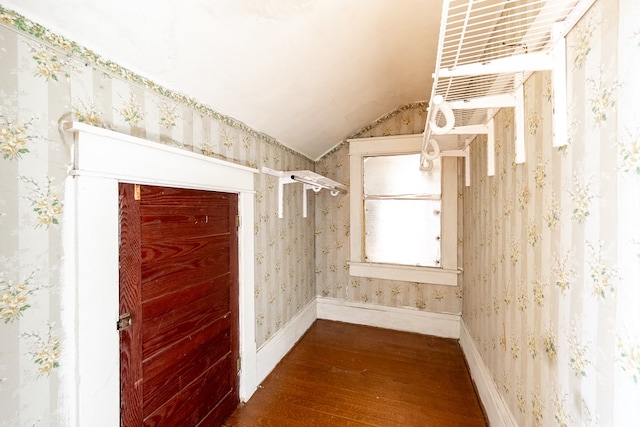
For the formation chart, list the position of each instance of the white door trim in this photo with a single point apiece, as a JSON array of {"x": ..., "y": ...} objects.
[{"x": 90, "y": 368}]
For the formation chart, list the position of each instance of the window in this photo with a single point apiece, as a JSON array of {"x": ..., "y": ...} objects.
[
  {"x": 403, "y": 220},
  {"x": 401, "y": 210}
]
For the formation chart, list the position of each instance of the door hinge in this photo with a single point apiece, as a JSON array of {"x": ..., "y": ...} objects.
[
  {"x": 136, "y": 191},
  {"x": 124, "y": 321},
  {"x": 237, "y": 221},
  {"x": 238, "y": 364}
]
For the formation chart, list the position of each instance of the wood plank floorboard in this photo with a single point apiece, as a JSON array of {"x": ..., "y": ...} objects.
[{"x": 342, "y": 374}]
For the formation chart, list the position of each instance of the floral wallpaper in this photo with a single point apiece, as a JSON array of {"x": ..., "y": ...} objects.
[
  {"x": 45, "y": 78},
  {"x": 553, "y": 245},
  {"x": 332, "y": 233}
]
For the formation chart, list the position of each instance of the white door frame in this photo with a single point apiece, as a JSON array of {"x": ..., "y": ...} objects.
[{"x": 90, "y": 360}]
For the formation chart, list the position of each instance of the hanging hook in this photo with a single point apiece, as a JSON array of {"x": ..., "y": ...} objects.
[
  {"x": 66, "y": 138},
  {"x": 65, "y": 118},
  {"x": 426, "y": 165},
  {"x": 447, "y": 112},
  {"x": 434, "y": 152}
]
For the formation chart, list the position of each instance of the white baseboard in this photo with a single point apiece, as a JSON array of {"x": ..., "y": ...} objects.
[
  {"x": 495, "y": 407},
  {"x": 401, "y": 319},
  {"x": 282, "y": 341}
]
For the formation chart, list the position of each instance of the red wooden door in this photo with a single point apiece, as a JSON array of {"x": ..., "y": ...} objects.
[{"x": 179, "y": 283}]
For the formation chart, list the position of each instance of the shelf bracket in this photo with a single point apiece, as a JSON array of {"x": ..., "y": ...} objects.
[
  {"x": 491, "y": 145},
  {"x": 519, "y": 119},
  {"x": 559, "y": 82},
  {"x": 310, "y": 181}
]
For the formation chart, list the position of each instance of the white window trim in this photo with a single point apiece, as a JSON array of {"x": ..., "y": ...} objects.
[{"x": 447, "y": 273}]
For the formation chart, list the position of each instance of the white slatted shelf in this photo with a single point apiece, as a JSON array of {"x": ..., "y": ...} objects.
[
  {"x": 309, "y": 179},
  {"x": 485, "y": 51}
]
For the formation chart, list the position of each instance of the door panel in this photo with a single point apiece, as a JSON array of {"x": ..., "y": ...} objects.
[
  {"x": 188, "y": 295},
  {"x": 183, "y": 360},
  {"x": 186, "y": 222},
  {"x": 179, "y": 356},
  {"x": 185, "y": 408},
  {"x": 161, "y": 277},
  {"x": 183, "y": 321}
]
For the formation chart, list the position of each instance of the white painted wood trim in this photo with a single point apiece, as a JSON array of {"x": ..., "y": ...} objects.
[
  {"x": 402, "y": 144},
  {"x": 90, "y": 349},
  {"x": 449, "y": 217},
  {"x": 126, "y": 158},
  {"x": 246, "y": 289},
  {"x": 406, "y": 273},
  {"x": 494, "y": 405},
  {"x": 356, "y": 205},
  {"x": 400, "y": 319},
  {"x": 96, "y": 296},
  {"x": 134, "y": 144},
  {"x": 270, "y": 354}
]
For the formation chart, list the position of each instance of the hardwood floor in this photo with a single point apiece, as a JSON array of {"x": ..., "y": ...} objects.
[{"x": 350, "y": 375}]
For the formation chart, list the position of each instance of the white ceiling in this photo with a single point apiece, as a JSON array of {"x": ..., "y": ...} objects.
[{"x": 306, "y": 72}]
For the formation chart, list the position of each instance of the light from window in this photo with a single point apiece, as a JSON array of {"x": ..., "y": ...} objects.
[{"x": 402, "y": 206}]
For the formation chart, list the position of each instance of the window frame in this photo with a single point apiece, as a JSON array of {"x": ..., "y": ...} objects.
[{"x": 447, "y": 273}]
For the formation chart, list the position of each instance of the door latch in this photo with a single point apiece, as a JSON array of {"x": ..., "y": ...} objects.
[{"x": 124, "y": 321}]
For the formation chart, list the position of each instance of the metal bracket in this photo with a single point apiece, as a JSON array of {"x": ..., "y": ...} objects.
[
  {"x": 311, "y": 181},
  {"x": 124, "y": 321}
]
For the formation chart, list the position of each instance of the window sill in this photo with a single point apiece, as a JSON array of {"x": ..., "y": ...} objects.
[{"x": 405, "y": 273}]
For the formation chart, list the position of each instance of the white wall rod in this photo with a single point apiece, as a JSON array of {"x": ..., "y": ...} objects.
[
  {"x": 308, "y": 184},
  {"x": 315, "y": 186}
]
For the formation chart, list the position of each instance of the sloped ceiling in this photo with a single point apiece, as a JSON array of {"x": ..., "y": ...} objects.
[{"x": 306, "y": 72}]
